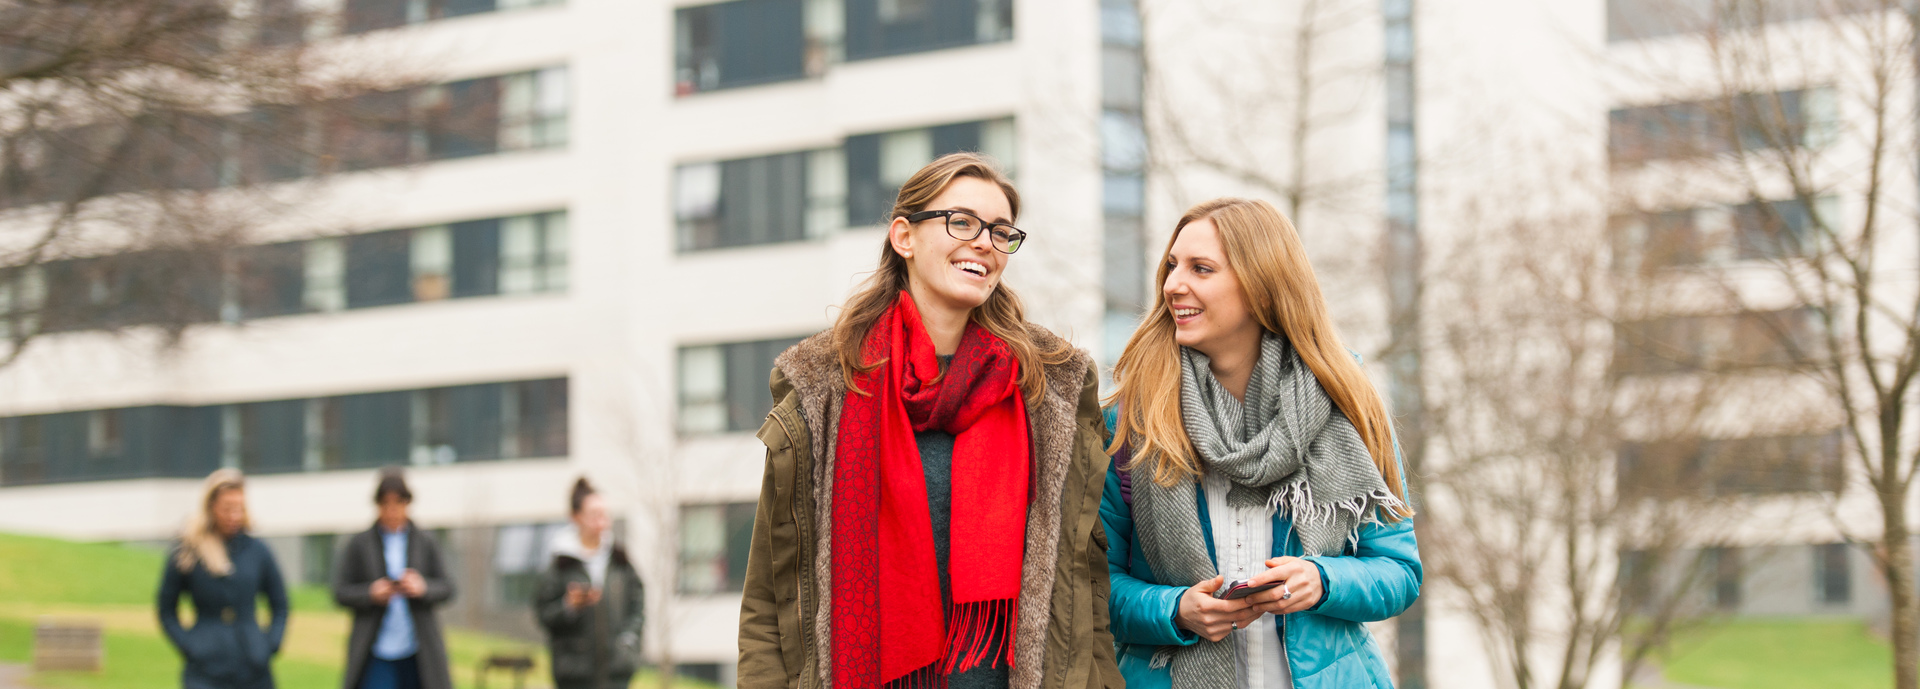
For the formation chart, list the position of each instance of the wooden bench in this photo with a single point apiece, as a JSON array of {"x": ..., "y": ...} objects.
[
  {"x": 67, "y": 645},
  {"x": 517, "y": 663}
]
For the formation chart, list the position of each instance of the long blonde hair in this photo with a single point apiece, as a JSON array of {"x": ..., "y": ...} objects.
[
  {"x": 1002, "y": 313},
  {"x": 201, "y": 541},
  {"x": 1278, "y": 282}
]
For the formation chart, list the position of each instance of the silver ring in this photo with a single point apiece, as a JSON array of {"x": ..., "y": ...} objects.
[{"x": 1286, "y": 595}]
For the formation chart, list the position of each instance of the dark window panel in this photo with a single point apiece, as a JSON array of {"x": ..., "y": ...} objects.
[
  {"x": 274, "y": 144},
  {"x": 273, "y": 280},
  {"x": 542, "y": 418},
  {"x": 280, "y": 22},
  {"x": 373, "y": 15},
  {"x": 316, "y": 558},
  {"x": 739, "y": 542},
  {"x": 747, "y": 366},
  {"x": 1724, "y": 566},
  {"x": 376, "y": 429},
  {"x": 65, "y": 438},
  {"x": 762, "y": 200},
  {"x": 738, "y": 43},
  {"x": 379, "y": 269},
  {"x": 954, "y": 138},
  {"x": 868, "y": 198},
  {"x": 196, "y": 442},
  {"x": 474, "y": 421},
  {"x": 372, "y": 131},
  {"x": 447, "y": 9},
  {"x": 476, "y": 258},
  {"x": 1772, "y": 230},
  {"x": 273, "y": 436},
  {"x": 24, "y": 461},
  {"x": 880, "y": 29},
  {"x": 464, "y": 120},
  {"x": 1833, "y": 573}
]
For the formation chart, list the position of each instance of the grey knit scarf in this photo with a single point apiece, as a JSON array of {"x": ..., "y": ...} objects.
[{"x": 1287, "y": 448}]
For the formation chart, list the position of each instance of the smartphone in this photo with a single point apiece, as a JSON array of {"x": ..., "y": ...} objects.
[{"x": 1239, "y": 588}]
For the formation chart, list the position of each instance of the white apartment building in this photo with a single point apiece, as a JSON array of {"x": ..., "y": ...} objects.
[
  {"x": 618, "y": 212},
  {"x": 580, "y": 259}
]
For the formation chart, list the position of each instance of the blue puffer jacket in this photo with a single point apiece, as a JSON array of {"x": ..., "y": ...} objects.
[{"x": 1327, "y": 646}]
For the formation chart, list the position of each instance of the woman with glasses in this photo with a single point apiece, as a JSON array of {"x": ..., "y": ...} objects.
[
  {"x": 1256, "y": 508},
  {"x": 928, "y": 514}
]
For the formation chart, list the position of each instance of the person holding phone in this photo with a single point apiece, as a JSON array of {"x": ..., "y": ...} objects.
[
  {"x": 590, "y": 600},
  {"x": 1255, "y": 511},
  {"x": 927, "y": 515},
  {"x": 391, "y": 577}
]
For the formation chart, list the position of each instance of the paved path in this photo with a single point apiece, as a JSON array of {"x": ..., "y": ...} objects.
[{"x": 13, "y": 676}]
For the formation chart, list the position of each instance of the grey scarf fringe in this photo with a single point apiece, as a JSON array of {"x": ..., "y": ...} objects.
[{"x": 1285, "y": 448}]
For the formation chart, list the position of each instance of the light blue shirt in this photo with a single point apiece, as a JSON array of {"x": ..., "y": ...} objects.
[{"x": 395, "y": 641}]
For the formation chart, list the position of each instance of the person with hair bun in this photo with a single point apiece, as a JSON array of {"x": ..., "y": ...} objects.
[
  {"x": 590, "y": 600},
  {"x": 391, "y": 577},
  {"x": 928, "y": 515},
  {"x": 1255, "y": 507},
  {"x": 223, "y": 569}
]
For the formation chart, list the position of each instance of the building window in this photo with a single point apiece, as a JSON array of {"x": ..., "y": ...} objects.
[
  {"x": 723, "y": 387},
  {"x": 714, "y": 540},
  {"x": 880, "y": 28},
  {"x": 316, "y": 559},
  {"x": 1746, "y": 122},
  {"x": 1832, "y": 573},
  {"x": 738, "y": 43},
  {"x": 1723, "y": 569},
  {"x": 271, "y": 280},
  {"x": 1632, "y": 20},
  {"x": 272, "y": 436},
  {"x": 373, "y": 15},
  {"x": 1716, "y": 342},
  {"x": 519, "y": 554},
  {"x": 379, "y": 269},
  {"x": 877, "y": 164},
  {"x": 742, "y": 202},
  {"x": 533, "y": 109},
  {"x": 1766, "y": 465}
]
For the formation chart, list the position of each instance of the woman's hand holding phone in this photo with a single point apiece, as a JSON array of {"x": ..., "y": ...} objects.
[{"x": 1212, "y": 618}]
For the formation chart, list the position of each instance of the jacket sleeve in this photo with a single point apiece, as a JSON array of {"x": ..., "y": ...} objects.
[
  {"x": 439, "y": 585},
  {"x": 349, "y": 592},
  {"x": 761, "y": 662},
  {"x": 275, "y": 587},
  {"x": 1380, "y": 579},
  {"x": 173, "y": 583},
  {"x": 1141, "y": 611},
  {"x": 550, "y": 602},
  {"x": 635, "y": 616}
]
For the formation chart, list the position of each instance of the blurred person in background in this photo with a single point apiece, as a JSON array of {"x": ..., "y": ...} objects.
[
  {"x": 223, "y": 570},
  {"x": 391, "y": 577},
  {"x": 590, "y": 600},
  {"x": 1251, "y": 447},
  {"x": 951, "y": 537}
]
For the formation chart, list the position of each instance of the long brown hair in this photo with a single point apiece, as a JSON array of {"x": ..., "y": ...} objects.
[
  {"x": 1265, "y": 253},
  {"x": 1002, "y": 313},
  {"x": 201, "y": 541}
]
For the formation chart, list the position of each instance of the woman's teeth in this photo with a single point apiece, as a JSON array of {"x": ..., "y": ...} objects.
[
  {"x": 1185, "y": 312},
  {"x": 979, "y": 269}
]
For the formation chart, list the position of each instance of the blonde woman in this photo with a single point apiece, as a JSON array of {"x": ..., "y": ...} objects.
[
  {"x": 223, "y": 570},
  {"x": 1255, "y": 452},
  {"x": 927, "y": 516}
]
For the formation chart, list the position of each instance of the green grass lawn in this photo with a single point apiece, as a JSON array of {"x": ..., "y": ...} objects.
[
  {"x": 115, "y": 585},
  {"x": 1782, "y": 654}
]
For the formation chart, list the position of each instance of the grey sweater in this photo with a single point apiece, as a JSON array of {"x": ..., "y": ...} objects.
[{"x": 936, "y": 459}]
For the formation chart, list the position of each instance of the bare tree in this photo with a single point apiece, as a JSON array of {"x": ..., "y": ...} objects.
[
  {"x": 156, "y": 133},
  {"x": 1572, "y": 502},
  {"x": 1801, "y": 123}
]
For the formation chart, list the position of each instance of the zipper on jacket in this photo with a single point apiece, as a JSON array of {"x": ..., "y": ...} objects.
[{"x": 801, "y": 568}]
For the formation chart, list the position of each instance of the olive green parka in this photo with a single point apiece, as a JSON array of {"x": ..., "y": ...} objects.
[{"x": 1061, "y": 640}]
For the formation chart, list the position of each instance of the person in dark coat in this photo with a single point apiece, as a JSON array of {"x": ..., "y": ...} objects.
[
  {"x": 223, "y": 570},
  {"x": 392, "y": 577},
  {"x": 591, "y": 601}
]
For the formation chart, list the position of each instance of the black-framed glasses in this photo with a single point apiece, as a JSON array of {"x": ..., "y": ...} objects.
[{"x": 966, "y": 226}]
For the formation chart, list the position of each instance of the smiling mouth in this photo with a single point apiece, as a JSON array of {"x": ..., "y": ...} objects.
[
  {"x": 974, "y": 268},
  {"x": 1185, "y": 312}
]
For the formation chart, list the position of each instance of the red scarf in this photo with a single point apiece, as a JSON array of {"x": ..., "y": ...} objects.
[{"x": 888, "y": 624}]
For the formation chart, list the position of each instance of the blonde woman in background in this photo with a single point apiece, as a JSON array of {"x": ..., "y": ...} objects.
[{"x": 223, "y": 570}]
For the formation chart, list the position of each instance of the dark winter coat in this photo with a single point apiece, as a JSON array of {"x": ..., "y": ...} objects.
[
  {"x": 226, "y": 649},
  {"x": 596, "y": 645},
  {"x": 363, "y": 561}
]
